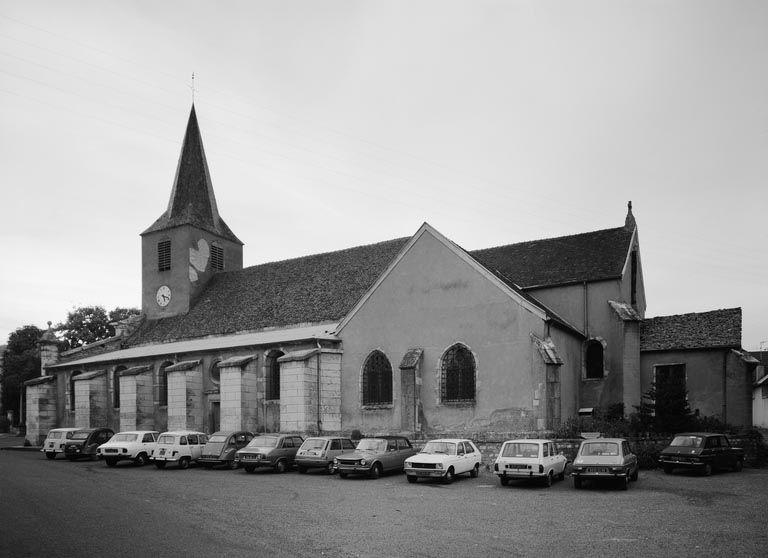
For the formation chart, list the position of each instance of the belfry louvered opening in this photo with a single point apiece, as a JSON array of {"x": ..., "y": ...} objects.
[
  {"x": 164, "y": 255},
  {"x": 217, "y": 257}
]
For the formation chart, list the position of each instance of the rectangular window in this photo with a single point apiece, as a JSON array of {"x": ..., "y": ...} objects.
[
  {"x": 164, "y": 255},
  {"x": 217, "y": 257}
]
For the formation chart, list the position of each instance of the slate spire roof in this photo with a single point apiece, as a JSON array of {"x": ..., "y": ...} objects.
[{"x": 192, "y": 199}]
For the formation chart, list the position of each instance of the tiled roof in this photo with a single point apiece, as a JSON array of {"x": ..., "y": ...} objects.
[
  {"x": 192, "y": 200},
  {"x": 312, "y": 289},
  {"x": 703, "y": 330},
  {"x": 591, "y": 256}
]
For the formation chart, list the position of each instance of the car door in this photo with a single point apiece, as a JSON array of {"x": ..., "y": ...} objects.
[{"x": 195, "y": 450}]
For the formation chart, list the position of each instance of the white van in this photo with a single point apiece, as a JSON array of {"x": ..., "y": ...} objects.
[
  {"x": 54, "y": 442},
  {"x": 179, "y": 447}
]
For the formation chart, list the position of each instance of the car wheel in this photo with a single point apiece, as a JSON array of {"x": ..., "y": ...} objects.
[
  {"x": 577, "y": 483},
  {"x": 50, "y": 454},
  {"x": 184, "y": 463},
  {"x": 343, "y": 475},
  {"x": 448, "y": 477},
  {"x": 232, "y": 465},
  {"x": 475, "y": 471},
  {"x": 330, "y": 468},
  {"x": 625, "y": 483},
  {"x": 141, "y": 459},
  {"x": 250, "y": 468},
  {"x": 375, "y": 471},
  {"x": 548, "y": 479},
  {"x": 635, "y": 475},
  {"x": 738, "y": 466},
  {"x": 110, "y": 461},
  {"x": 561, "y": 476},
  {"x": 71, "y": 457},
  {"x": 411, "y": 478},
  {"x": 280, "y": 466},
  {"x": 668, "y": 469},
  {"x": 301, "y": 469},
  {"x": 707, "y": 469},
  {"x": 160, "y": 464},
  {"x": 504, "y": 481}
]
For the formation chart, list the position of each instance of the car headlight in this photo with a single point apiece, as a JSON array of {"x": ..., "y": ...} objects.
[
  {"x": 363, "y": 462},
  {"x": 407, "y": 464},
  {"x": 438, "y": 465},
  {"x": 335, "y": 461}
]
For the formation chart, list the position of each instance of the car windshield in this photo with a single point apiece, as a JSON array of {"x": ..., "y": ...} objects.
[
  {"x": 166, "y": 439},
  {"x": 218, "y": 438},
  {"x": 516, "y": 449},
  {"x": 124, "y": 438},
  {"x": 54, "y": 435},
  {"x": 314, "y": 444},
  {"x": 263, "y": 442},
  {"x": 600, "y": 448},
  {"x": 372, "y": 444},
  {"x": 687, "y": 441},
  {"x": 80, "y": 435},
  {"x": 448, "y": 448}
]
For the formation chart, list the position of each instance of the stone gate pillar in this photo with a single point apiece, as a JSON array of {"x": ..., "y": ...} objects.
[
  {"x": 91, "y": 399},
  {"x": 136, "y": 399},
  {"x": 41, "y": 408}
]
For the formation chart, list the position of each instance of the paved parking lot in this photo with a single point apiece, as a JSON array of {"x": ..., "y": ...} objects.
[{"x": 62, "y": 508}]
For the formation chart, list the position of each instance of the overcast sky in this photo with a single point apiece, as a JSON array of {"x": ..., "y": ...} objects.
[{"x": 334, "y": 123}]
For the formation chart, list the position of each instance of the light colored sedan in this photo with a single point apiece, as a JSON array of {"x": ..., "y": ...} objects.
[
  {"x": 134, "y": 445},
  {"x": 605, "y": 458},
  {"x": 444, "y": 459},
  {"x": 530, "y": 459}
]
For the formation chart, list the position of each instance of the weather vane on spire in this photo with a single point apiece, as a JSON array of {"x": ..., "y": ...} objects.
[{"x": 192, "y": 88}]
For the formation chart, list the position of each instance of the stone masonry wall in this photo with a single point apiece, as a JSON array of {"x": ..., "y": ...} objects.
[
  {"x": 330, "y": 391},
  {"x": 250, "y": 397},
  {"x": 128, "y": 403},
  {"x": 82, "y": 404},
  {"x": 41, "y": 411},
  {"x": 297, "y": 393},
  {"x": 231, "y": 391}
]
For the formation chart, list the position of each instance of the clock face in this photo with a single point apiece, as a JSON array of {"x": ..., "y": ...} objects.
[{"x": 163, "y": 296}]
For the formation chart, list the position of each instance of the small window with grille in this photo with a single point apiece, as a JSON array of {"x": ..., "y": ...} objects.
[
  {"x": 164, "y": 255},
  {"x": 457, "y": 369},
  {"x": 377, "y": 380},
  {"x": 217, "y": 257}
]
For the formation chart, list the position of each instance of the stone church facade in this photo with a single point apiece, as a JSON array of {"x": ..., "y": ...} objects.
[{"x": 413, "y": 335}]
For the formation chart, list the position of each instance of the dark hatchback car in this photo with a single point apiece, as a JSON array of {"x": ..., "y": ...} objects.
[
  {"x": 701, "y": 451},
  {"x": 221, "y": 448},
  {"x": 374, "y": 456},
  {"x": 84, "y": 442},
  {"x": 277, "y": 451}
]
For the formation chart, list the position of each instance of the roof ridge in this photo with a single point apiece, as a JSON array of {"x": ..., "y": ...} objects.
[
  {"x": 576, "y": 235},
  {"x": 719, "y": 310}
]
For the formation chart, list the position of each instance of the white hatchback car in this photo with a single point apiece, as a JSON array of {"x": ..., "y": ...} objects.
[
  {"x": 530, "y": 459},
  {"x": 180, "y": 447},
  {"x": 54, "y": 442},
  {"x": 134, "y": 445},
  {"x": 444, "y": 459}
]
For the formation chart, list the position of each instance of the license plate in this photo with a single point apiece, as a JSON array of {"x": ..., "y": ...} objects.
[
  {"x": 162, "y": 452},
  {"x": 597, "y": 469},
  {"x": 422, "y": 473}
]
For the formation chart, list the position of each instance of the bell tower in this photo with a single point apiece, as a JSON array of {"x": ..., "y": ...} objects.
[{"x": 189, "y": 242}]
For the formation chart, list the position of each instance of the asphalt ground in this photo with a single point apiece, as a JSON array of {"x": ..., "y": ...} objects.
[{"x": 62, "y": 508}]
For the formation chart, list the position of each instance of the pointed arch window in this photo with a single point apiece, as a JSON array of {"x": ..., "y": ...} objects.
[
  {"x": 377, "y": 380},
  {"x": 116, "y": 386},
  {"x": 594, "y": 360},
  {"x": 272, "y": 375},
  {"x": 457, "y": 375},
  {"x": 162, "y": 383}
]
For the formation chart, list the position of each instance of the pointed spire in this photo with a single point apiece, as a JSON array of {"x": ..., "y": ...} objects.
[
  {"x": 192, "y": 199},
  {"x": 629, "y": 222}
]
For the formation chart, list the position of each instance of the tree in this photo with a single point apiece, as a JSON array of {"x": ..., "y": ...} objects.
[
  {"x": 664, "y": 407},
  {"x": 21, "y": 362},
  {"x": 88, "y": 324}
]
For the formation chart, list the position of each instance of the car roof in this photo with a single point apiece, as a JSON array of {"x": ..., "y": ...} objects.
[
  {"x": 617, "y": 440},
  {"x": 319, "y": 437},
  {"x": 530, "y": 441},
  {"x": 384, "y": 437},
  {"x": 702, "y": 434},
  {"x": 231, "y": 432},
  {"x": 137, "y": 432},
  {"x": 454, "y": 440},
  {"x": 68, "y": 429},
  {"x": 182, "y": 432}
]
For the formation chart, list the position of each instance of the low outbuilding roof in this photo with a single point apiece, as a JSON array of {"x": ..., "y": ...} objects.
[{"x": 702, "y": 330}]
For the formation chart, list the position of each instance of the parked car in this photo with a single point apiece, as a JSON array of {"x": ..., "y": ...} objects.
[
  {"x": 701, "y": 451},
  {"x": 85, "y": 442},
  {"x": 444, "y": 459},
  {"x": 530, "y": 459},
  {"x": 55, "y": 440},
  {"x": 277, "y": 451},
  {"x": 374, "y": 456},
  {"x": 320, "y": 451},
  {"x": 134, "y": 445},
  {"x": 221, "y": 447},
  {"x": 180, "y": 447},
  {"x": 605, "y": 458}
]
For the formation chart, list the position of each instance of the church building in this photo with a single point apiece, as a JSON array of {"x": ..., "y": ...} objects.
[{"x": 413, "y": 335}]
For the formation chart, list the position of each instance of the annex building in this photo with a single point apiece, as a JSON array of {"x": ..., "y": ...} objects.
[{"x": 413, "y": 335}]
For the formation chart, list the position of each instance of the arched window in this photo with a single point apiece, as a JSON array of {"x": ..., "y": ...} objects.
[
  {"x": 162, "y": 382},
  {"x": 72, "y": 389},
  {"x": 116, "y": 386},
  {"x": 457, "y": 368},
  {"x": 594, "y": 359},
  {"x": 215, "y": 372},
  {"x": 272, "y": 375},
  {"x": 377, "y": 380}
]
